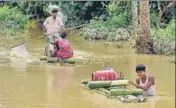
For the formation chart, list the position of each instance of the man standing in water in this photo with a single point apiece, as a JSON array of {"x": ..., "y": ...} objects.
[
  {"x": 145, "y": 81},
  {"x": 52, "y": 26}
]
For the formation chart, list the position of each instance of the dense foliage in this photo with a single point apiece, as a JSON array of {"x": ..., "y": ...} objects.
[
  {"x": 12, "y": 20},
  {"x": 79, "y": 12},
  {"x": 117, "y": 27},
  {"x": 13, "y": 17},
  {"x": 164, "y": 39},
  {"x": 31, "y": 8},
  {"x": 13, "y": 25}
]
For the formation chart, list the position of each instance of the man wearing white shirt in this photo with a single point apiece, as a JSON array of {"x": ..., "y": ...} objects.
[{"x": 52, "y": 26}]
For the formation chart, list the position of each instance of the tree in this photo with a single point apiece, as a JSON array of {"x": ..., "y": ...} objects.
[
  {"x": 143, "y": 43},
  {"x": 167, "y": 11},
  {"x": 80, "y": 12},
  {"x": 35, "y": 9},
  {"x": 135, "y": 17}
]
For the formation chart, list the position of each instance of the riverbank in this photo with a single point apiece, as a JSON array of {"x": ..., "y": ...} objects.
[
  {"x": 10, "y": 36},
  {"x": 13, "y": 26}
]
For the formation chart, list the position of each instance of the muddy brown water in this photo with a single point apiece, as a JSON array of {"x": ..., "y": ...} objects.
[{"x": 38, "y": 85}]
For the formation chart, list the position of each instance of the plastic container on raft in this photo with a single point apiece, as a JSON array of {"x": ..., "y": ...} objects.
[{"x": 106, "y": 74}]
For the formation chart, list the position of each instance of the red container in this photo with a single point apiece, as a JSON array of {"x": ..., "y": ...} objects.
[{"x": 104, "y": 75}]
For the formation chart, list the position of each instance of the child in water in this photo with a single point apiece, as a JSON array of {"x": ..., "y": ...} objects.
[
  {"x": 64, "y": 50},
  {"x": 145, "y": 81}
]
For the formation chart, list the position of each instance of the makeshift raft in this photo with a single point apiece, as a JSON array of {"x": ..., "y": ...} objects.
[
  {"x": 106, "y": 84},
  {"x": 116, "y": 89},
  {"x": 55, "y": 60}
]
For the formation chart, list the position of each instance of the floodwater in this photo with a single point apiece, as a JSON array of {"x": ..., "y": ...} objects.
[{"x": 40, "y": 85}]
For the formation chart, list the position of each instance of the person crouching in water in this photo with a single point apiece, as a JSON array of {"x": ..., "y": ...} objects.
[
  {"x": 145, "y": 81},
  {"x": 64, "y": 50}
]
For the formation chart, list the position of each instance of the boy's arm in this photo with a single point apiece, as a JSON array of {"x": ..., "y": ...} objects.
[
  {"x": 138, "y": 81},
  {"x": 145, "y": 88}
]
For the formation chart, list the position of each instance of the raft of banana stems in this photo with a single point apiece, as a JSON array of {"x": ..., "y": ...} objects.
[
  {"x": 115, "y": 89},
  {"x": 55, "y": 60}
]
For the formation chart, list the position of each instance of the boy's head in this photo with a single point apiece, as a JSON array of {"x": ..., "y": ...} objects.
[
  {"x": 63, "y": 35},
  {"x": 140, "y": 70},
  {"x": 54, "y": 13}
]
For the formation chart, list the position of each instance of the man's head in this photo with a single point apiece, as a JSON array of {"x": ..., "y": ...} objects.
[
  {"x": 63, "y": 35},
  {"x": 140, "y": 70},
  {"x": 54, "y": 13}
]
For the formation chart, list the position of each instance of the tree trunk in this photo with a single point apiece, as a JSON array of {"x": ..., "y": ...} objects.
[
  {"x": 134, "y": 11},
  {"x": 159, "y": 14},
  {"x": 143, "y": 43}
]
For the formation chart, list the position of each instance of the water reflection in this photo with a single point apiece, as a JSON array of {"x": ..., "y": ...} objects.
[{"x": 58, "y": 80}]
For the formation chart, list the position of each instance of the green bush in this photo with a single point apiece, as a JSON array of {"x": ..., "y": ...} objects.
[
  {"x": 164, "y": 39},
  {"x": 120, "y": 14},
  {"x": 153, "y": 20},
  {"x": 13, "y": 18},
  {"x": 80, "y": 12},
  {"x": 13, "y": 25},
  {"x": 110, "y": 30}
]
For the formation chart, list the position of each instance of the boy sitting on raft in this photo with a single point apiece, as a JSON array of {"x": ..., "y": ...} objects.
[
  {"x": 145, "y": 81},
  {"x": 63, "y": 49}
]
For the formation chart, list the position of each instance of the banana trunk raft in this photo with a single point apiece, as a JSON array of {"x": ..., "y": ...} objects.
[
  {"x": 55, "y": 60},
  {"x": 116, "y": 89}
]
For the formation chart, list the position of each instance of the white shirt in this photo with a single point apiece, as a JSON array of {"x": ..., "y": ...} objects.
[
  {"x": 151, "y": 90},
  {"x": 52, "y": 25}
]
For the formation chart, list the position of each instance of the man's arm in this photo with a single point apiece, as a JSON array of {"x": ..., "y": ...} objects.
[
  {"x": 44, "y": 29},
  {"x": 145, "y": 88}
]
